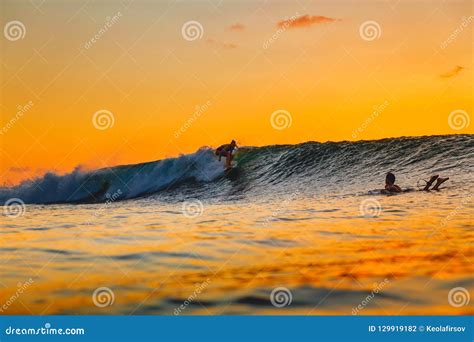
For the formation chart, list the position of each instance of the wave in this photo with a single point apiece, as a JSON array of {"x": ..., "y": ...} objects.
[
  {"x": 117, "y": 183},
  {"x": 333, "y": 167}
]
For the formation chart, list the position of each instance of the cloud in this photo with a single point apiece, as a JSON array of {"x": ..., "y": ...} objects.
[
  {"x": 220, "y": 44},
  {"x": 236, "y": 27},
  {"x": 305, "y": 21},
  {"x": 19, "y": 169},
  {"x": 454, "y": 72}
]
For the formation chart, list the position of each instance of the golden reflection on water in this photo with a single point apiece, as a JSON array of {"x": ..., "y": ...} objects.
[{"x": 324, "y": 251}]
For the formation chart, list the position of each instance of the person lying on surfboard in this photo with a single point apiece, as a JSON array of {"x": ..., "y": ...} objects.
[
  {"x": 392, "y": 187},
  {"x": 226, "y": 151}
]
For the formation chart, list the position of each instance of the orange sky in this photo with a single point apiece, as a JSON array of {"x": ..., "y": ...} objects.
[{"x": 309, "y": 59}]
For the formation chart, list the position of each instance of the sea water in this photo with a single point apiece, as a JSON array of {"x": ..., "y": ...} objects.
[{"x": 303, "y": 229}]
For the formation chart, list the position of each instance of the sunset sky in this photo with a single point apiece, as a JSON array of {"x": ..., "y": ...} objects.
[{"x": 312, "y": 60}]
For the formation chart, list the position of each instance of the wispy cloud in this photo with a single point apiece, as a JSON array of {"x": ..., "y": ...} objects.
[
  {"x": 237, "y": 27},
  {"x": 306, "y": 21},
  {"x": 220, "y": 44},
  {"x": 19, "y": 169},
  {"x": 454, "y": 72}
]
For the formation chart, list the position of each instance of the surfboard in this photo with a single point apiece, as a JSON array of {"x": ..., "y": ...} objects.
[{"x": 386, "y": 192}]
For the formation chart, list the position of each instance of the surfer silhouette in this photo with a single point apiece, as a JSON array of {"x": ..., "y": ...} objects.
[
  {"x": 392, "y": 187},
  {"x": 226, "y": 151}
]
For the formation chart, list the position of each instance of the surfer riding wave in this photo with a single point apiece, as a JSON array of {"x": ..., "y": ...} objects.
[{"x": 227, "y": 151}]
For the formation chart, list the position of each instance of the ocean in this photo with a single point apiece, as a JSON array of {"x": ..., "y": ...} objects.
[{"x": 294, "y": 229}]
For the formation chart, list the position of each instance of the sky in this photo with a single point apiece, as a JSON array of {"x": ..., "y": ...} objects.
[{"x": 101, "y": 83}]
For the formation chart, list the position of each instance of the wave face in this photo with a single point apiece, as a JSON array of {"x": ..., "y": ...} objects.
[
  {"x": 339, "y": 169},
  {"x": 117, "y": 183}
]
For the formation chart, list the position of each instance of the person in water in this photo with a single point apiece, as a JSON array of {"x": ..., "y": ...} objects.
[
  {"x": 392, "y": 187},
  {"x": 226, "y": 151}
]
